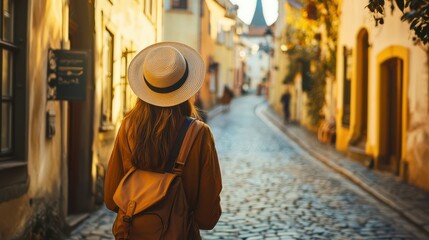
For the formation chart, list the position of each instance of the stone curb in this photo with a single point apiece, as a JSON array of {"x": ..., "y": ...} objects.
[{"x": 399, "y": 208}]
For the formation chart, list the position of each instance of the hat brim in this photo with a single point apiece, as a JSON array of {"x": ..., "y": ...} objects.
[{"x": 189, "y": 88}]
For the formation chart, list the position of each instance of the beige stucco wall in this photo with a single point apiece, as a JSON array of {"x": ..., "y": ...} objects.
[
  {"x": 393, "y": 33},
  {"x": 223, "y": 54},
  {"x": 298, "y": 101},
  {"x": 277, "y": 75},
  {"x": 46, "y": 163},
  {"x": 44, "y": 155},
  {"x": 207, "y": 52},
  {"x": 132, "y": 30},
  {"x": 186, "y": 26},
  {"x": 182, "y": 25},
  {"x": 279, "y": 61}
]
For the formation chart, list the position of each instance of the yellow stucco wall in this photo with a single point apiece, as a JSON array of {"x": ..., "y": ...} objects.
[
  {"x": 207, "y": 52},
  {"x": 278, "y": 68},
  {"x": 222, "y": 54},
  {"x": 183, "y": 25},
  {"x": 391, "y": 39},
  {"x": 48, "y": 28},
  {"x": 44, "y": 155},
  {"x": 133, "y": 29}
]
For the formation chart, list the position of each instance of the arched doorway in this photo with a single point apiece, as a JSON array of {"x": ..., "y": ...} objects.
[
  {"x": 391, "y": 122},
  {"x": 362, "y": 85},
  {"x": 357, "y": 144}
]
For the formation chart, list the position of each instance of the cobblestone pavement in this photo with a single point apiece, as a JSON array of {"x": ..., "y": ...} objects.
[
  {"x": 275, "y": 190},
  {"x": 410, "y": 201}
]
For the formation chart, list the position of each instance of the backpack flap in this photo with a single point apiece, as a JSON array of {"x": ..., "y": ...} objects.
[{"x": 142, "y": 187}]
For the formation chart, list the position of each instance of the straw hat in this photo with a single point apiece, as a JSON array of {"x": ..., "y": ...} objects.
[{"x": 166, "y": 74}]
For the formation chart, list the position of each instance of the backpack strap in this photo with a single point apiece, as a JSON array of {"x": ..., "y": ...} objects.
[
  {"x": 188, "y": 141},
  {"x": 178, "y": 143}
]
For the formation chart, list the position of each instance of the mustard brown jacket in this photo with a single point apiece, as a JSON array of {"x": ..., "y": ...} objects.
[{"x": 201, "y": 175}]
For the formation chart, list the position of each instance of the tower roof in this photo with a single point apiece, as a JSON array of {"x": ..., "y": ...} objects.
[{"x": 258, "y": 19}]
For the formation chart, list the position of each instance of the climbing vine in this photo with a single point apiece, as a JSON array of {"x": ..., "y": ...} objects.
[{"x": 312, "y": 36}]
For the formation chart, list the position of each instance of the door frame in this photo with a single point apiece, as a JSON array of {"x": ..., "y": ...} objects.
[
  {"x": 358, "y": 90},
  {"x": 388, "y": 53}
]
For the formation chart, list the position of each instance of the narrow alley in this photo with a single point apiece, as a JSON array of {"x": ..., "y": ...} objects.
[{"x": 273, "y": 189}]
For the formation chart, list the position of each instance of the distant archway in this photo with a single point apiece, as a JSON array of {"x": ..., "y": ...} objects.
[{"x": 359, "y": 102}]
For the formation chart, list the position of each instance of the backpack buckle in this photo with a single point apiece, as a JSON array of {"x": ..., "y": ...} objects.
[
  {"x": 178, "y": 167},
  {"x": 126, "y": 219},
  {"x": 178, "y": 171}
]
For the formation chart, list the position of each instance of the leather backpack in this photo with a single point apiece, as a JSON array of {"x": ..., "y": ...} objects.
[{"x": 153, "y": 205}]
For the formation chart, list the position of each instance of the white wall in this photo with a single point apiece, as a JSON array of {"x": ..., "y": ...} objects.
[{"x": 257, "y": 64}]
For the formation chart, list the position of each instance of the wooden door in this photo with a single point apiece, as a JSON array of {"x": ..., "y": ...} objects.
[
  {"x": 391, "y": 114},
  {"x": 362, "y": 79}
]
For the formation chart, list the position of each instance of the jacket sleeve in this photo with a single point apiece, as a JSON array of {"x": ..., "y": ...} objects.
[
  {"x": 208, "y": 209},
  {"x": 115, "y": 170}
]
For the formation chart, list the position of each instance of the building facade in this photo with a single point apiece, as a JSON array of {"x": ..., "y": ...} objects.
[
  {"x": 287, "y": 70},
  {"x": 259, "y": 38},
  {"x": 382, "y": 107},
  {"x": 56, "y": 140},
  {"x": 182, "y": 22},
  {"x": 378, "y": 100},
  {"x": 223, "y": 32},
  {"x": 210, "y": 28}
]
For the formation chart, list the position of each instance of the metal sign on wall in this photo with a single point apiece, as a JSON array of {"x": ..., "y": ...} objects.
[{"x": 67, "y": 74}]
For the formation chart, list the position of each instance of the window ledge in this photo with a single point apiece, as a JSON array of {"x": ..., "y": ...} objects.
[
  {"x": 178, "y": 10},
  {"x": 107, "y": 127},
  {"x": 13, "y": 180},
  {"x": 13, "y": 191},
  {"x": 11, "y": 164}
]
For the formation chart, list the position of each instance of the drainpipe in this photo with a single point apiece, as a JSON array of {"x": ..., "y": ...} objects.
[{"x": 65, "y": 44}]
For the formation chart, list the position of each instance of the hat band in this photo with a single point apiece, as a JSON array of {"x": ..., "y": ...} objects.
[{"x": 171, "y": 88}]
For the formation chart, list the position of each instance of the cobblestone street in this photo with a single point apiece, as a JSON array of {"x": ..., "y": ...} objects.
[{"x": 272, "y": 189}]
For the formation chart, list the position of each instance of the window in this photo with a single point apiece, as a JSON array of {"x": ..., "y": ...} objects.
[
  {"x": 220, "y": 37},
  {"x": 127, "y": 94},
  {"x": 347, "y": 55},
  {"x": 13, "y": 65},
  {"x": 179, "y": 4},
  {"x": 230, "y": 36},
  {"x": 7, "y": 80},
  {"x": 107, "y": 83},
  {"x": 149, "y": 8}
]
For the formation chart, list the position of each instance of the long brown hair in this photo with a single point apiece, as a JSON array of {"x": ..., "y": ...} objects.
[{"x": 153, "y": 130}]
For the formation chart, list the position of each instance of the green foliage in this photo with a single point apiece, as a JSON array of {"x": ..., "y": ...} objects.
[
  {"x": 308, "y": 82},
  {"x": 315, "y": 44},
  {"x": 299, "y": 62},
  {"x": 316, "y": 95},
  {"x": 415, "y": 12},
  {"x": 290, "y": 76}
]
